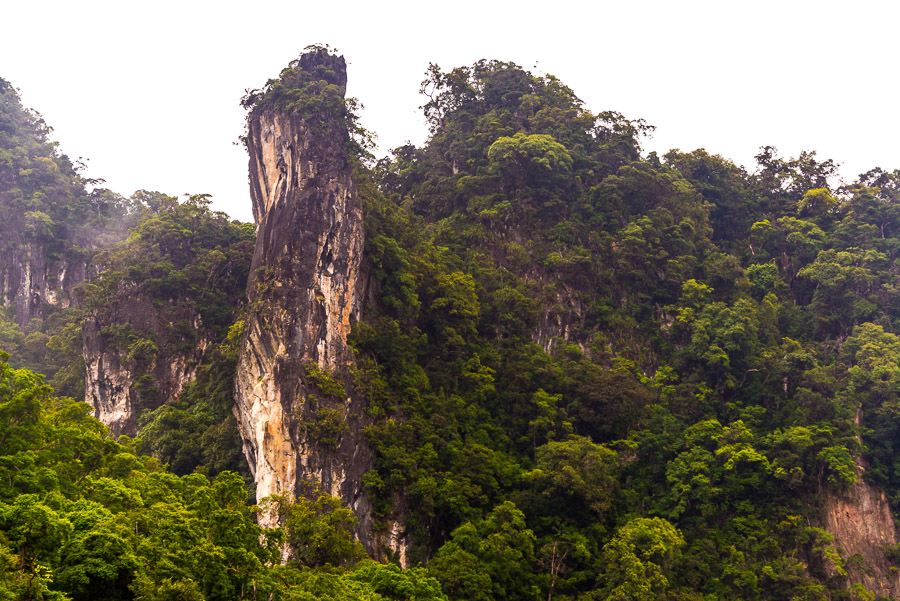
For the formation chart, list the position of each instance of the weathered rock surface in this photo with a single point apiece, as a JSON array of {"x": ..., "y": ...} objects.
[
  {"x": 862, "y": 524},
  {"x": 42, "y": 252},
  {"x": 304, "y": 293},
  {"x": 31, "y": 281},
  {"x": 860, "y": 521},
  {"x": 136, "y": 360}
]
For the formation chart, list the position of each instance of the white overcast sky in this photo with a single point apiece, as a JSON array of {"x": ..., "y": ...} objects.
[{"x": 149, "y": 92}]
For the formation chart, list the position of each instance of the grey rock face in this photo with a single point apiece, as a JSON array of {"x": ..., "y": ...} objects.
[
  {"x": 121, "y": 384},
  {"x": 31, "y": 281}
]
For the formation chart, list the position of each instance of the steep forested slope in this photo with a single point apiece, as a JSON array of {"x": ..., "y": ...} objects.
[
  {"x": 599, "y": 347},
  {"x": 50, "y": 228},
  {"x": 584, "y": 372}
]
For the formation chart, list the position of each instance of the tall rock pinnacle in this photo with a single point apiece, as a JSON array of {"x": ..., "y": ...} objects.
[{"x": 301, "y": 423}]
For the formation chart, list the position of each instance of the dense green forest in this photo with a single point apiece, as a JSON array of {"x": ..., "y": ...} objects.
[{"x": 592, "y": 373}]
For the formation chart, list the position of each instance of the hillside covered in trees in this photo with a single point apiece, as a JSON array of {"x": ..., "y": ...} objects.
[{"x": 582, "y": 371}]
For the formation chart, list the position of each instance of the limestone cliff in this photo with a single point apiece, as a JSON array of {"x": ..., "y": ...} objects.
[
  {"x": 301, "y": 421},
  {"x": 31, "y": 280},
  {"x": 136, "y": 360},
  {"x": 862, "y": 525},
  {"x": 40, "y": 201},
  {"x": 164, "y": 295}
]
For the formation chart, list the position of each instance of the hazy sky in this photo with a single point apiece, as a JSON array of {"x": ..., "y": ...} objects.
[{"x": 149, "y": 92}]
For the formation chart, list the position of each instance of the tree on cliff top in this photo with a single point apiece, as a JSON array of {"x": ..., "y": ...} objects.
[{"x": 312, "y": 87}]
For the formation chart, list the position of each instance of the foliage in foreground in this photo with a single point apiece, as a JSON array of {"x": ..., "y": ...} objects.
[{"x": 85, "y": 517}]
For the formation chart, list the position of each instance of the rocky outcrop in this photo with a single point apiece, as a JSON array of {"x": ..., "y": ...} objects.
[
  {"x": 301, "y": 422},
  {"x": 861, "y": 522},
  {"x": 136, "y": 359},
  {"x": 42, "y": 254},
  {"x": 32, "y": 282}
]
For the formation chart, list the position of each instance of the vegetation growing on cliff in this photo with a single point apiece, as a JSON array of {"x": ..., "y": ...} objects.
[
  {"x": 592, "y": 373},
  {"x": 603, "y": 344},
  {"x": 42, "y": 195},
  {"x": 52, "y": 221},
  {"x": 313, "y": 88},
  {"x": 86, "y": 517}
]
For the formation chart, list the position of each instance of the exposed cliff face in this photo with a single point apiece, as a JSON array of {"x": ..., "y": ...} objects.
[
  {"x": 560, "y": 321},
  {"x": 31, "y": 281},
  {"x": 862, "y": 524},
  {"x": 42, "y": 205},
  {"x": 135, "y": 360},
  {"x": 304, "y": 293}
]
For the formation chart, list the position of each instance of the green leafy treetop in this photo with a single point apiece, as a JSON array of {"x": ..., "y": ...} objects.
[
  {"x": 316, "y": 81},
  {"x": 313, "y": 87},
  {"x": 83, "y": 517}
]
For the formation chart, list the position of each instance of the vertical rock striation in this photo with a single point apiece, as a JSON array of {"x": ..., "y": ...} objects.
[
  {"x": 299, "y": 433},
  {"x": 143, "y": 369},
  {"x": 30, "y": 281},
  {"x": 862, "y": 524},
  {"x": 41, "y": 202}
]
